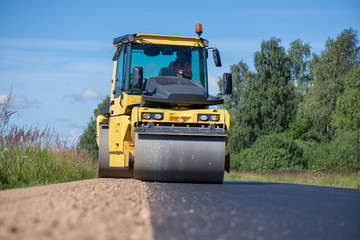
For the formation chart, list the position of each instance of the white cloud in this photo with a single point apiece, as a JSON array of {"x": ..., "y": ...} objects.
[
  {"x": 87, "y": 94},
  {"x": 3, "y": 97},
  {"x": 90, "y": 94},
  {"x": 22, "y": 102},
  {"x": 75, "y": 133},
  {"x": 72, "y": 136}
]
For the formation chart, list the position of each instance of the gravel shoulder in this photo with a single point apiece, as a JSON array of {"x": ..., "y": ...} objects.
[{"x": 90, "y": 209}]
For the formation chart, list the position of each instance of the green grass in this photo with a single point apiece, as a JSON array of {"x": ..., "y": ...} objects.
[
  {"x": 31, "y": 157},
  {"x": 328, "y": 179}
]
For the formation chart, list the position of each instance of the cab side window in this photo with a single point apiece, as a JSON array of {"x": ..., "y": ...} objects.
[{"x": 120, "y": 72}]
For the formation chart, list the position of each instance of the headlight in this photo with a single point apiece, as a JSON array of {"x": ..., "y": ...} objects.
[
  {"x": 146, "y": 115},
  {"x": 203, "y": 117},
  {"x": 214, "y": 118},
  {"x": 205, "y": 42},
  {"x": 131, "y": 38},
  {"x": 158, "y": 116},
  {"x": 208, "y": 117}
]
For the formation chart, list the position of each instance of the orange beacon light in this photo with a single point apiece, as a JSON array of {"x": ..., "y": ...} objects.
[{"x": 198, "y": 29}]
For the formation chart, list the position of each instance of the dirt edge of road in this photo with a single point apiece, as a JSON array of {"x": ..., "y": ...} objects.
[{"x": 89, "y": 209}]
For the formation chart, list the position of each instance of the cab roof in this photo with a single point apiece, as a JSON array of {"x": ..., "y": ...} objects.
[{"x": 159, "y": 39}]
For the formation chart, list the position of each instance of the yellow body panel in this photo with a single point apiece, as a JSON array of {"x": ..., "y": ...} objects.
[
  {"x": 122, "y": 103},
  {"x": 99, "y": 119},
  {"x": 120, "y": 141}
]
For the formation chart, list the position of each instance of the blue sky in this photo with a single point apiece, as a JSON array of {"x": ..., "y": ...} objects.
[{"x": 56, "y": 55}]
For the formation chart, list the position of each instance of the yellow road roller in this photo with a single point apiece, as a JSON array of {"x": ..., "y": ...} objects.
[{"x": 159, "y": 125}]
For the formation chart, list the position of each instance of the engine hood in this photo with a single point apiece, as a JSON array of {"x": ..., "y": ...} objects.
[{"x": 176, "y": 91}]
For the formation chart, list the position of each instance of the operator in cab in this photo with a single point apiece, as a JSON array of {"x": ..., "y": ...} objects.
[{"x": 182, "y": 62}]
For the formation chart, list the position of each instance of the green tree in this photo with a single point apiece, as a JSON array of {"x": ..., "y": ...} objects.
[
  {"x": 299, "y": 53},
  {"x": 347, "y": 116},
  {"x": 329, "y": 71},
  {"x": 276, "y": 88},
  {"x": 240, "y": 72},
  {"x": 246, "y": 121},
  {"x": 87, "y": 140},
  {"x": 267, "y": 102}
]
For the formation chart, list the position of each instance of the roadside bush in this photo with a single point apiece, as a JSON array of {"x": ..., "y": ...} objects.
[
  {"x": 277, "y": 152},
  {"x": 342, "y": 154},
  {"x": 310, "y": 150},
  {"x": 297, "y": 130},
  {"x": 269, "y": 153}
]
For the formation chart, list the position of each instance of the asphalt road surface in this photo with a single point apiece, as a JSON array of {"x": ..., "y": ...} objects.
[
  {"x": 253, "y": 210},
  {"x": 129, "y": 209}
]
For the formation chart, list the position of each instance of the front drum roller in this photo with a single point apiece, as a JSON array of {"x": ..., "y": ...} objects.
[
  {"x": 179, "y": 158},
  {"x": 104, "y": 169}
]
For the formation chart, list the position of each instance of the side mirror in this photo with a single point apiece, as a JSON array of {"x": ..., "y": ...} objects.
[
  {"x": 137, "y": 77},
  {"x": 227, "y": 83},
  {"x": 216, "y": 56}
]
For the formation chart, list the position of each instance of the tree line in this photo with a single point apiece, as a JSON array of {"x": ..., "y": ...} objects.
[{"x": 297, "y": 109}]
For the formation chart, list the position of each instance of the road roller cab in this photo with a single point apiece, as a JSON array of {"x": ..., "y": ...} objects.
[{"x": 159, "y": 126}]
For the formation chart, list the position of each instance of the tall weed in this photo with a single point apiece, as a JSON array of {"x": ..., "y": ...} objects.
[{"x": 31, "y": 156}]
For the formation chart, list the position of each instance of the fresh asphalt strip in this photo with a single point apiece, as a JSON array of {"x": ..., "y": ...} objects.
[{"x": 253, "y": 210}]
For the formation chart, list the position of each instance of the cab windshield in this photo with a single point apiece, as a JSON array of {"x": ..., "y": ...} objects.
[{"x": 168, "y": 60}]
